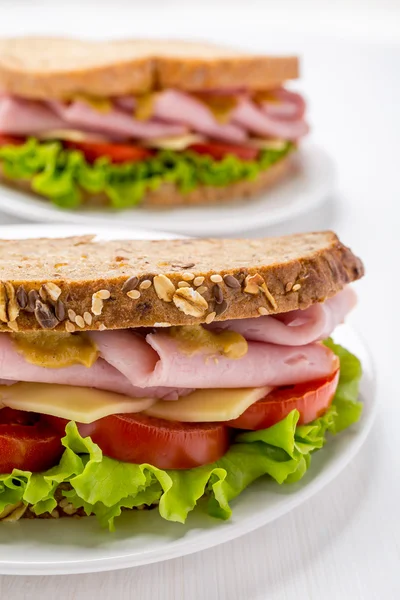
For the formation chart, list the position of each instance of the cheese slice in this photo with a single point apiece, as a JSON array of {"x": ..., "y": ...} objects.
[
  {"x": 80, "y": 404},
  {"x": 71, "y": 135},
  {"x": 208, "y": 406},
  {"x": 267, "y": 144},
  {"x": 179, "y": 142}
]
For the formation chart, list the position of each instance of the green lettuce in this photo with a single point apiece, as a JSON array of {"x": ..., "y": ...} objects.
[
  {"x": 103, "y": 486},
  {"x": 61, "y": 174}
]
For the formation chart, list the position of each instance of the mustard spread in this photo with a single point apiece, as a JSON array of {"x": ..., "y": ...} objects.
[
  {"x": 195, "y": 338},
  {"x": 220, "y": 105},
  {"x": 144, "y": 108},
  {"x": 98, "y": 103},
  {"x": 55, "y": 350}
]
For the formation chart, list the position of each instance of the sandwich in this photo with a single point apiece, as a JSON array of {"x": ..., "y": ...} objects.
[
  {"x": 150, "y": 123},
  {"x": 164, "y": 374}
]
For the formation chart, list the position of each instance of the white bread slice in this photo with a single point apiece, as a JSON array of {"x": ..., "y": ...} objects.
[{"x": 45, "y": 68}]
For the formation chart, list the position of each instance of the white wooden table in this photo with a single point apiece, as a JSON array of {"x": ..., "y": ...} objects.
[{"x": 344, "y": 543}]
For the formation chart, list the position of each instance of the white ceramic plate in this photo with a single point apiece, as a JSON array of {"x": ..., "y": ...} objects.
[
  {"x": 311, "y": 180},
  {"x": 79, "y": 546}
]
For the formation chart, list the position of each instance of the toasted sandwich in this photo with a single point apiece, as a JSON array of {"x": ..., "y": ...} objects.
[
  {"x": 152, "y": 123},
  {"x": 142, "y": 374}
]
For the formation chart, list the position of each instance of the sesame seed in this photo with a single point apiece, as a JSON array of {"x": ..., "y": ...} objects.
[
  {"x": 102, "y": 327},
  {"x": 262, "y": 310},
  {"x": 187, "y": 276},
  {"x": 202, "y": 289},
  {"x": 210, "y": 317},
  {"x": 198, "y": 281},
  {"x": 80, "y": 322},
  {"x": 162, "y": 324},
  {"x": 71, "y": 315},
  {"x": 288, "y": 286},
  {"x": 145, "y": 284},
  {"x": 296, "y": 287},
  {"x": 103, "y": 294},
  {"x": 88, "y": 318},
  {"x": 134, "y": 294},
  {"x": 70, "y": 327},
  {"x": 182, "y": 284},
  {"x": 97, "y": 305},
  {"x": 216, "y": 278}
]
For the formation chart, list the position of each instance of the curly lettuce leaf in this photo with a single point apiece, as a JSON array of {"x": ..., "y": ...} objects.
[
  {"x": 103, "y": 486},
  {"x": 61, "y": 174}
]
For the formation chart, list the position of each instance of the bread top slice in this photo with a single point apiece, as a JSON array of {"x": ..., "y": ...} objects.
[
  {"x": 44, "y": 68},
  {"x": 77, "y": 283}
]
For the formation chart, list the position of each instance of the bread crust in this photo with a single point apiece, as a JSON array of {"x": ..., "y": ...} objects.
[
  {"x": 44, "y": 68},
  {"x": 123, "y": 284}
]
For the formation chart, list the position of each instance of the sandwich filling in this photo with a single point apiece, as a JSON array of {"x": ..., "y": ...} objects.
[
  {"x": 122, "y": 148},
  {"x": 169, "y": 415}
]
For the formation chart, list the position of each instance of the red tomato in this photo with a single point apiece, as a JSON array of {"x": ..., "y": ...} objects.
[
  {"x": 219, "y": 151},
  {"x": 311, "y": 399},
  {"x": 10, "y": 140},
  {"x": 137, "y": 438},
  {"x": 27, "y": 442},
  {"x": 117, "y": 153}
]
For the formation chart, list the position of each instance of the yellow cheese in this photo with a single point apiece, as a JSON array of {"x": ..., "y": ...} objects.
[
  {"x": 178, "y": 143},
  {"x": 268, "y": 144},
  {"x": 71, "y": 135},
  {"x": 83, "y": 405},
  {"x": 55, "y": 350},
  {"x": 208, "y": 406}
]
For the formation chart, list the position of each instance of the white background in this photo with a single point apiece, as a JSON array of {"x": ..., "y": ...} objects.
[{"x": 345, "y": 542}]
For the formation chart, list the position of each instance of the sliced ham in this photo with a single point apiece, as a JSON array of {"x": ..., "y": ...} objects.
[
  {"x": 298, "y": 327},
  {"x": 26, "y": 117},
  {"x": 289, "y": 105},
  {"x": 176, "y": 106},
  {"x": 13, "y": 367},
  {"x": 115, "y": 122},
  {"x": 252, "y": 118},
  {"x": 159, "y": 359}
]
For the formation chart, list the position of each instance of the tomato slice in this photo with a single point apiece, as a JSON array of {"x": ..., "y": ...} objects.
[
  {"x": 137, "y": 438},
  {"x": 11, "y": 140},
  {"x": 311, "y": 399},
  {"x": 117, "y": 153},
  {"x": 27, "y": 442},
  {"x": 219, "y": 151}
]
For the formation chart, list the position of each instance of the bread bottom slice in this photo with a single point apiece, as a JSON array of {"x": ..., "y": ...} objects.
[{"x": 168, "y": 194}]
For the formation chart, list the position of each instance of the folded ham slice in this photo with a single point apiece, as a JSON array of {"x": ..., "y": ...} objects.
[
  {"x": 115, "y": 122},
  {"x": 298, "y": 327},
  {"x": 176, "y": 106},
  {"x": 252, "y": 118},
  {"x": 289, "y": 105},
  {"x": 26, "y": 117},
  {"x": 14, "y": 367},
  {"x": 160, "y": 359}
]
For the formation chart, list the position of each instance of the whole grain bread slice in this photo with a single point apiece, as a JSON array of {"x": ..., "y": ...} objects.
[
  {"x": 44, "y": 68},
  {"x": 72, "y": 284}
]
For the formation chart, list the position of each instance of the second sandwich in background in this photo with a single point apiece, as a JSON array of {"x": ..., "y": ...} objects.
[{"x": 155, "y": 123}]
